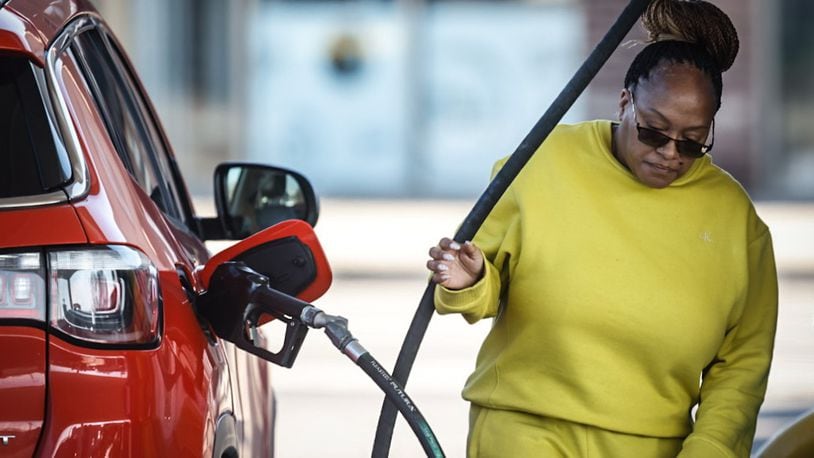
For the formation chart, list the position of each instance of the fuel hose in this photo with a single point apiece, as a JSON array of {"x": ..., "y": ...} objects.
[
  {"x": 336, "y": 328},
  {"x": 487, "y": 200},
  {"x": 254, "y": 299}
]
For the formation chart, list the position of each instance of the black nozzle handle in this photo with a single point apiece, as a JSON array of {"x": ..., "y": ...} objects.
[{"x": 235, "y": 302}]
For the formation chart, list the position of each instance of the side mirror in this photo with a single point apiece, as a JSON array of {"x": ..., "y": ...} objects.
[
  {"x": 256, "y": 280},
  {"x": 252, "y": 197}
]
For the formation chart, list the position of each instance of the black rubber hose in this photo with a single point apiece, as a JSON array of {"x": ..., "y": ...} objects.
[
  {"x": 398, "y": 398},
  {"x": 484, "y": 205}
]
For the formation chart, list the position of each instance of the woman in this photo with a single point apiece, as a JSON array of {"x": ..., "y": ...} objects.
[{"x": 620, "y": 267}]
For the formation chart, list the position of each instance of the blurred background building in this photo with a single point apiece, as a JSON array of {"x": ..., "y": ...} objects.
[{"x": 416, "y": 98}]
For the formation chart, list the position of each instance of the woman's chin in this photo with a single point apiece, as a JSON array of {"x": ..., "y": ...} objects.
[
  {"x": 655, "y": 177},
  {"x": 655, "y": 181}
]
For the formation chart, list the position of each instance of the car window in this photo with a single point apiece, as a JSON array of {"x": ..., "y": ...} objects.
[
  {"x": 31, "y": 162},
  {"x": 159, "y": 148},
  {"x": 124, "y": 116}
]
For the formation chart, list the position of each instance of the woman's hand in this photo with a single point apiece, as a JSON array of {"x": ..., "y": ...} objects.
[{"x": 455, "y": 266}]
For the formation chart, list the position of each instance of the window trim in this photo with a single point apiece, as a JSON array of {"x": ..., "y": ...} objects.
[
  {"x": 148, "y": 125},
  {"x": 130, "y": 102},
  {"x": 80, "y": 185},
  {"x": 186, "y": 216},
  {"x": 177, "y": 206}
]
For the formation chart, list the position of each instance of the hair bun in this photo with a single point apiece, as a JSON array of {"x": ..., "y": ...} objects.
[{"x": 694, "y": 21}]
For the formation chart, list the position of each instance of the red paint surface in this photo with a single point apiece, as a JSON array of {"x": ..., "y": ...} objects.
[
  {"x": 134, "y": 403},
  {"x": 22, "y": 388},
  {"x": 19, "y": 35},
  {"x": 34, "y": 227}
]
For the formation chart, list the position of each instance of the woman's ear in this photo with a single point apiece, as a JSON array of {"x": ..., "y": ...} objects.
[{"x": 624, "y": 100}]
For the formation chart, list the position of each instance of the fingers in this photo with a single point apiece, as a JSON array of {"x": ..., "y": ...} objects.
[
  {"x": 454, "y": 265},
  {"x": 448, "y": 250},
  {"x": 449, "y": 244},
  {"x": 440, "y": 271},
  {"x": 437, "y": 266},
  {"x": 441, "y": 279},
  {"x": 442, "y": 256},
  {"x": 469, "y": 248},
  {"x": 438, "y": 254}
]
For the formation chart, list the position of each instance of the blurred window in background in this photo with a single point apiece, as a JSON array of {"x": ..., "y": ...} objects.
[
  {"x": 404, "y": 98},
  {"x": 797, "y": 86}
]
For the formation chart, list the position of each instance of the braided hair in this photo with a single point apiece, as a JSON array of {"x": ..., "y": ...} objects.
[{"x": 693, "y": 32}]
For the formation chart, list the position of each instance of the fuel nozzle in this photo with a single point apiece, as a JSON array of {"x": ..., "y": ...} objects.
[
  {"x": 236, "y": 302},
  {"x": 336, "y": 328}
]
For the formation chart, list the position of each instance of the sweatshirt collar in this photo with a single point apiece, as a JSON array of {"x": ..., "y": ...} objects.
[{"x": 602, "y": 130}]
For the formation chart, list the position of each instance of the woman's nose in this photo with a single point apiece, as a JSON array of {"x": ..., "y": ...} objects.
[{"x": 669, "y": 150}]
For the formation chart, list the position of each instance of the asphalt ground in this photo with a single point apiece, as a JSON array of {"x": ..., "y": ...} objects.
[{"x": 377, "y": 249}]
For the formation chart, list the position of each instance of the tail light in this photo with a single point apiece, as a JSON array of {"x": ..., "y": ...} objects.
[
  {"x": 104, "y": 295},
  {"x": 22, "y": 286},
  {"x": 97, "y": 295}
]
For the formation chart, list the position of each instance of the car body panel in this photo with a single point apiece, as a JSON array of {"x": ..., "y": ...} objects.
[
  {"x": 19, "y": 35},
  {"x": 131, "y": 403},
  {"x": 50, "y": 16},
  {"x": 22, "y": 388},
  {"x": 257, "y": 407},
  {"x": 30, "y": 227}
]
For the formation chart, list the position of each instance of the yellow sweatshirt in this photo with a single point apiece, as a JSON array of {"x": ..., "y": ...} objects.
[{"x": 611, "y": 299}]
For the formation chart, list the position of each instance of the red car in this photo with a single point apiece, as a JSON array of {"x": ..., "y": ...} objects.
[{"x": 102, "y": 352}]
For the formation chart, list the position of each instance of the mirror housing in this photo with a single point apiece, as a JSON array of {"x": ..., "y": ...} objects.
[
  {"x": 252, "y": 197},
  {"x": 256, "y": 280}
]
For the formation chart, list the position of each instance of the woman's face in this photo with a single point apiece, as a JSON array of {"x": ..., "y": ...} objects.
[{"x": 677, "y": 100}]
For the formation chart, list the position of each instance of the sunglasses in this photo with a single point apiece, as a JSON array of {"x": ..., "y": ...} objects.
[{"x": 656, "y": 139}]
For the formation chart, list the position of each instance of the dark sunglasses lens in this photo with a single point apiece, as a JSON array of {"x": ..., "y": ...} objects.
[
  {"x": 690, "y": 148},
  {"x": 652, "y": 138},
  {"x": 656, "y": 139}
]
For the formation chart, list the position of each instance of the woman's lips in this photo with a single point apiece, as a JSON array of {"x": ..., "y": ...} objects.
[{"x": 660, "y": 168}]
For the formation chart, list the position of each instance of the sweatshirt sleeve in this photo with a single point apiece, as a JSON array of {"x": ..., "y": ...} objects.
[
  {"x": 474, "y": 303},
  {"x": 498, "y": 239},
  {"x": 734, "y": 384}
]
